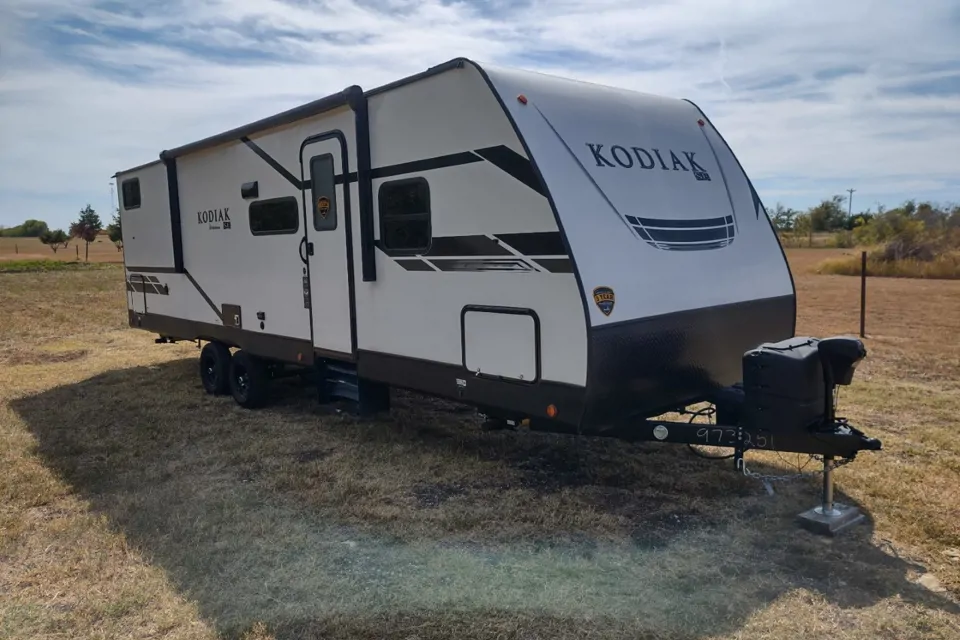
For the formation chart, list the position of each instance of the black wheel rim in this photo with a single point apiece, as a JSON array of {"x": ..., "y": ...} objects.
[
  {"x": 208, "y": 367},
  {"x": 243, "y": 381}
]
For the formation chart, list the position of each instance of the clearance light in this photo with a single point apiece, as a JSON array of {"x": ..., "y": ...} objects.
[
  {"x": 522, "y": 99},
  {"x": 701, "y": 123},
  {"x": 552, "y": 411}
]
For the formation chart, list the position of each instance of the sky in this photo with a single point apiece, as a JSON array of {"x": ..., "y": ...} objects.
[{"x": 814, "y": 97}]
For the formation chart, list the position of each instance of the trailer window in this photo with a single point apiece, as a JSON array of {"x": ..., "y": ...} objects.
[
  {"x": 131, "y": 193},
  {"x": 324, "y": 193},
  {"x": 276, "y": 216},
  {"x": 405, "y": 215}
]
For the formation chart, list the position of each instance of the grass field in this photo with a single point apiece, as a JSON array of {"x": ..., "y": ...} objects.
[
  {"x": 134, "y": 506},
  {"x": 102, "y": 250}
]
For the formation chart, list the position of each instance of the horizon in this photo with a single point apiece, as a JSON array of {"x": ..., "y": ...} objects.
[{"x": 813, "y": 105}]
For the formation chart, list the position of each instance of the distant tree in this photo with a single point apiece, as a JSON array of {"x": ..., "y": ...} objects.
[
  {"x": 829, "y": 215},
  {"x": 29, "y": 229},
  {"x": 86, "y": 228},
  {"x": 803, "y": 226},
  {"x": 783, "y": 218},
  {"x": 55, "y": 239},
  {"x": 116, "y": 232},
  {"x": 933, "y": 217}
]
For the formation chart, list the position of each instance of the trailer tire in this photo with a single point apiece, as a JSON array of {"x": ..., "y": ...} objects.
[
  {"x": 249, "y": 380},
  {"x": 215, "y": 368}
]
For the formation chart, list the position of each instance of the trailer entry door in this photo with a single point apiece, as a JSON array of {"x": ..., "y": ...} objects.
[{"x": 325, "y": 248}]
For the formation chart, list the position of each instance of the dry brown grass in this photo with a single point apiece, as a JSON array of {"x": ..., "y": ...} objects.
[
  {"x": 942, "y": 267},
  {"x": 131, "y": 505},
  {"x": 102, "y": 250}
]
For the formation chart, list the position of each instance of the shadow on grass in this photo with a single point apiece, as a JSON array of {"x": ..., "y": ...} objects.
[{"x": 321, "y": 525}]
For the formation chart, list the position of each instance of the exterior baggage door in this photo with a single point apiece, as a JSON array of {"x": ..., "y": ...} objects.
[{"x": 326, "y": 247}]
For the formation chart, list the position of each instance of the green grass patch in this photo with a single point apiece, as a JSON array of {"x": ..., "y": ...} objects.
[
  {"x": 943, "y": 267},
  {"x": 30, "y": 266}
]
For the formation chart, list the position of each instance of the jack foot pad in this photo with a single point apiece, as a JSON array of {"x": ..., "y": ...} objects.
[{"x": 830, "y": 524}]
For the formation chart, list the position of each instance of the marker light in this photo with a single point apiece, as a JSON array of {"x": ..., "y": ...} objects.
[
  {"x": 522, "y": 99},
  {"x": 701, "y": 123},
  {"x": 551, "y": 411}
]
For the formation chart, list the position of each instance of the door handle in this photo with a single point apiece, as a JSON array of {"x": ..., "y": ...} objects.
[{"x": 303, "y": 243}]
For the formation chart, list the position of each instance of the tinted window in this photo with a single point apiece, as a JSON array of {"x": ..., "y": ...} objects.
[
  {"x": 279, "y": 215},
  {"x": 405, "y": 215},
  {"x": 131, "y": 193},
  {"x": 324, "y": 193}
]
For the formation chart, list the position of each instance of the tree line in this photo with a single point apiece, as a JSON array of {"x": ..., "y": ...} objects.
[
  {"x": 914, "y": 230},
  {"x": 830, "y": 216},
  {"x": 86, "y": 229}
]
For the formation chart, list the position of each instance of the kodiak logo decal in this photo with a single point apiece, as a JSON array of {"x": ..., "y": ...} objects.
[
  {"x": 640, "y": 158},
  {"x": 605, "y": 299},
  {"x": 215, "y": 218}
]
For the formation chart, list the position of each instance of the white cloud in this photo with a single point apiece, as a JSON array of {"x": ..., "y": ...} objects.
[{"x": 81, "y": 97}]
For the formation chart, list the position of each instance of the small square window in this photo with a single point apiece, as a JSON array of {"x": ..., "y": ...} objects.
[
  {"x": 131, "y": 194},
  {"x": 405, "y": 216},
  {"x": 274, "y": 217}
]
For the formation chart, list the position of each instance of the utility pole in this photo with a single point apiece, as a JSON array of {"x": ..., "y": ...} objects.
[{"x": 850, "y": 203}]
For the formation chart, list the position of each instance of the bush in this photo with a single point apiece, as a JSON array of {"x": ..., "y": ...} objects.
[
  {"x": 941, "y": 267},
  {"x": 844, "y": 240}
]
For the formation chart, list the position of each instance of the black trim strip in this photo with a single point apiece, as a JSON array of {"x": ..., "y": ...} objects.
[
  {"x": 481, "y": 264},
  {"x": 510, "y": 311},
  {"x": 265, "y": 345},
  {"x": 688, "y": 235},
  {"x": 427, "y": 164},
  {"x": 151, "y": 269},
  {"x": 502, "y": 398},
  {"x": 415, "y": 265},
  {"x": 511, "y": 162},
  {"x": 681, "y": 224},
  {"x": 279, "y": 168},
  {"x": 556, "y": 265},
  {"x": 540, "y": 243},
  {"x": 203, "y": 293},
  {"x": 368, "y": 259},
  {"x": 176, "y": 232},
  {"x": 476, "y": 245},
  {"x": 147, "y": 287}
]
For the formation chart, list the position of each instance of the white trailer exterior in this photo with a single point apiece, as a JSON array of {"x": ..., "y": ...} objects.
[{"x": 530, "y": 245}]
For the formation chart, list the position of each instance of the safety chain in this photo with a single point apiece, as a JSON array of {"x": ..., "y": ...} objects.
[{"x": 791, "y": 476}]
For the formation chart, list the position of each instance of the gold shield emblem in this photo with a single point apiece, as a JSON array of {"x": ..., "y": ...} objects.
[{"x": 323, "y": 206}]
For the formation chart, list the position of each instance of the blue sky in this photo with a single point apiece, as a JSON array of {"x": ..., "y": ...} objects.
[{"x": 814, "y": 97}]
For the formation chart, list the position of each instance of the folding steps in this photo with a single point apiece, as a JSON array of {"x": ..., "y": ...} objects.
[{"x": 339, "y": 381}]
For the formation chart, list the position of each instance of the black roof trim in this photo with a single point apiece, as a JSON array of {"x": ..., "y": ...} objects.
[
  {"x": 339, "y": 99},
  {"x": 456, "y": 63},
  {"x": 348, "y": 97},
  {"x": 137, "y": 168}
]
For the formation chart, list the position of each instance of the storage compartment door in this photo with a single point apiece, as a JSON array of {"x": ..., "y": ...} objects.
[{"x": 501, "y": 343}]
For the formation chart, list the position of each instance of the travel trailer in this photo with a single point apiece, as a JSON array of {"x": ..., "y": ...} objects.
[{"x": 575, "y": 257}]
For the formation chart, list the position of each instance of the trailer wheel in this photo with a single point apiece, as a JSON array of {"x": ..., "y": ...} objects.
[
  {"x": 215, "y": 368},
  {"x": 249, "y": 381}
]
